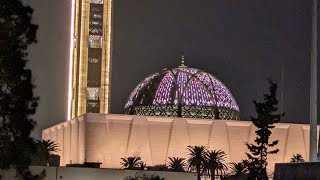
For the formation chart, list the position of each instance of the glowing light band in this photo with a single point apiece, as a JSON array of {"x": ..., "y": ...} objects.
[{"x": 71, "y": 60}]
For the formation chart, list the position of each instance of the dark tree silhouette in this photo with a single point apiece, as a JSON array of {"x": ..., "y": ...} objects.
[
  {"x": 176, "y": 164},
  {"x": 215, "y": 162},
  {"x": 132, "y": 162},
  {"x": 158, "y": 167},
  {"x": 143, "y": 176},
  {"x": 50, "y": 146},
  {"x": 297, "y": 158},
  {"x": 197, "y": 158},
  {"x": 238, "y": 169},
  {"x": 17, "y": 101},
  {"x": 267, "y": 117},
  {"x": 44, "y": 149}
]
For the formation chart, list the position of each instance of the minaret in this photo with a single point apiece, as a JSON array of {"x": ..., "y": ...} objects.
[
  {"x": 90, "y": 57},
  {"x": 313, "y": 87}
]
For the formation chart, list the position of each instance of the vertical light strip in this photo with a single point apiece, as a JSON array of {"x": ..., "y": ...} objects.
[
  {"x": 106, "y": 57},
  {"x": 71, "y": 60},
  {"x": 108, "y": 87},
  {"x": 83, "y": 58}
]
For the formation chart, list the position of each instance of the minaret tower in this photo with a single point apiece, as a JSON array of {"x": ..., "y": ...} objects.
[{"x": 90, "y": 57}]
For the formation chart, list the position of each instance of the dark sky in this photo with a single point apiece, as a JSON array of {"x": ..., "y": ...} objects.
[{"x": 240, "y": 42}]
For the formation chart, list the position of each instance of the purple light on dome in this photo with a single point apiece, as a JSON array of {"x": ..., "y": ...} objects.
[
  {"x": 163, "y": 92},
  {"x": 218, "y": 89},
  {"x": 196, "y": 87},
  {"x": 188, "y": 70},
  {"x": 182, "y": 81},
  {"x": 223, "y": 95},
  {"x": 196, "y": 94},
  {"x": 138, "y": 88}
]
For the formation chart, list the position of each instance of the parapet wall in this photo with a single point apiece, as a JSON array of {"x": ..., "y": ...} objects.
[
  {"x": 72, "y": 173},
  {"x": 107, "y": 138}
]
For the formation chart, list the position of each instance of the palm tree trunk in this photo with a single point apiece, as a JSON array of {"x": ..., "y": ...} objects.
[
  {"x": 212, "y": 172},
  {"x": 198, "y": 173}
]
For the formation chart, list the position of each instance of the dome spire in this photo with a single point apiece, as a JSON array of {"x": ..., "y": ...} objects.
[{"x": 182, "y": 60}]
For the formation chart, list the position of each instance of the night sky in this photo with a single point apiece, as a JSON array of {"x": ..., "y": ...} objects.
[{"x": 242, "y": 43}]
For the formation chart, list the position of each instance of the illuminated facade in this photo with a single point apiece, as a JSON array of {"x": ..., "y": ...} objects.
[
  {"x": 106, "y": 138},
  {"x": 183, "y": 92},
  {"x": 90, "y": 57}
]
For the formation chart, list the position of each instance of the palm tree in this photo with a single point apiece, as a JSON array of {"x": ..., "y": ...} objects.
[
  {"x": 238, "y": 169},
  {"x": 49, "y": 146},
  {"x": 177, "y": 164},
  {"x": 197, "y": 157},
  {"x": 215, "y": 162},
  {"x": 297, "y": 158},
  {"x": 132, "y": 162},
  {"x": 45, "y": 150}
]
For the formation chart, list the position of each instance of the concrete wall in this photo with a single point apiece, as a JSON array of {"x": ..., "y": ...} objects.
[
  {"x": 107, "y": 138},
  {"x": 291, "y": 171},
  {"x": 72, "y": 173}
]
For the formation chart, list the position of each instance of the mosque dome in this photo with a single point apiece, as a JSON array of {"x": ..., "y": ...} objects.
[{"x": 182, "y": 92}]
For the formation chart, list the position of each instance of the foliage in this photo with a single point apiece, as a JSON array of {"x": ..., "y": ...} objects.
[
  {"x": 215, "y": 162},
  {"x": 44, "y": 149},
  {"x": 177, "y": 164},
  {"x": 267, "y": 117},
  {"x": 224, "y": 177},
  {"x": 27, "y": 175},
  {"x": 238, "y": 169},
  {"x": 132, "y": 162},
  {"x": 297, "y": 158},
  {"x": 17, "y": 102},
  {"x": 49, "y": 146},
  {"x": 158, "y": 167},
  {"x": 143, "y": 176},
  {"x": 197, "y": 158}
]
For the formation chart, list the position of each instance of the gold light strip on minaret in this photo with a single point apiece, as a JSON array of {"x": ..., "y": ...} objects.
[
  {"x": 70, "y": 76},
  {"x": 83, "y": 66},
  {"x": 106, "y": 57},
  {"x": 75, "y": 61}
]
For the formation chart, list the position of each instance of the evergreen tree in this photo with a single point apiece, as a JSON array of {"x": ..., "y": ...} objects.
[
  {"x": 17, "y": 101},
  {"x": 267, "y": 116}
]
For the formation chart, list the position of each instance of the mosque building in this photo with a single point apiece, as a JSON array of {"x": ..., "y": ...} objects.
[{"x": 164, "y": 114}]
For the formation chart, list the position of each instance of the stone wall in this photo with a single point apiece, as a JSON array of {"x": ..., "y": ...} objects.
[{"x": 107, "y": 138}]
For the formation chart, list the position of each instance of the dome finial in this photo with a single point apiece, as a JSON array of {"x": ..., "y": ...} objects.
[{"x": 182, "y": 60}]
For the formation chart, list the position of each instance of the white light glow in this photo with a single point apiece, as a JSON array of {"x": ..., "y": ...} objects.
[{"x": 71, "y": 60}]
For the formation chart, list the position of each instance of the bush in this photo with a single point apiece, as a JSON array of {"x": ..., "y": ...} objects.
[{"x": 143, "y": 176}]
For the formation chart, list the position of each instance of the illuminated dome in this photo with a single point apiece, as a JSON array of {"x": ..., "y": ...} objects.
[{"x": 182, "y": 92}]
